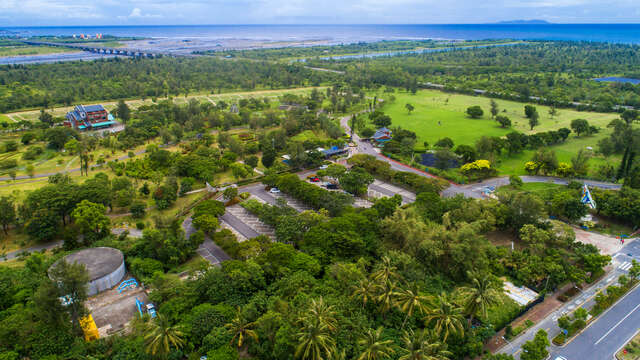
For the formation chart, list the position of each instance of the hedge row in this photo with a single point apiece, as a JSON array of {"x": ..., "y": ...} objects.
[
  {"x": 310, "y": 194},
  {"x": 381, "y": 169}
]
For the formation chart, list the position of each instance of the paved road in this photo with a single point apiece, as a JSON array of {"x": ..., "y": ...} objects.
[
  {"x": 471, "y": 190},
  {"x": 15, "y": 254},
  {"x": 608, "y": 334},
  {"x": 208, "y": 249},
  {"x": 621, "y": 263}
]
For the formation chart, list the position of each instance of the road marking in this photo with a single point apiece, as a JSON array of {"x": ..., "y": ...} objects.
[
  {"x": 625, "y": 266},
  {"x": 616, "y": 325},
  {"x": 516, "y": 353}
]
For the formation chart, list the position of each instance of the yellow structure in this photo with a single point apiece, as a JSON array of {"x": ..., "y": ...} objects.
[{"x": 89, "y": 327}]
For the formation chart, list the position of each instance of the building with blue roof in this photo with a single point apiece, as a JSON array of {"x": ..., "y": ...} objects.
[
  {"x": 382, "y": 135},
  {"x": 89, "y": 117}
]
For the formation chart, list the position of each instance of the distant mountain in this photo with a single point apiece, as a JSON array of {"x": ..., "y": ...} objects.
[{"x": 524, "y": 22}]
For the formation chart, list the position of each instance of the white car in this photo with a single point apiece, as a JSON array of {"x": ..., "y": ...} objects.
[
  {"x": 274, "y": 190},
  {"x": 324, "y": 167}
]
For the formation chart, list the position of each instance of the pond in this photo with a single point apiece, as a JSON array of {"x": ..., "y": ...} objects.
[{"x": 618, "y": 79}]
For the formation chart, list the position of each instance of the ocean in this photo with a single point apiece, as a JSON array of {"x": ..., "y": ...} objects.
[{"x": 335, "y": 34}]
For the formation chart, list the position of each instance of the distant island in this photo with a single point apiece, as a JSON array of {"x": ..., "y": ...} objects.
[{"x": 523, "y": 22}]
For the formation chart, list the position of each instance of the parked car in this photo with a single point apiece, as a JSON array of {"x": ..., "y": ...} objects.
[
  {"x": 151, "y": 310},
  {"x": 274, "y": 190},
  {"x": 314, "y": 179},
  {"x": 331, "y": 186},
  {"x": 323, "y": 167}
]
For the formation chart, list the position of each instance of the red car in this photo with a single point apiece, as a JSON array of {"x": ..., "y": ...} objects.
[{"x": 314, "y": 179}]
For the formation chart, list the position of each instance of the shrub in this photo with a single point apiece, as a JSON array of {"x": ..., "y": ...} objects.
[
  {"x": 515, "y": 181},
  {"x": 479, "y": 169},
  {"x": 140, "y": 225},
  {"x": 8, "y": 164},
  {"x": 138, "y": 210}
]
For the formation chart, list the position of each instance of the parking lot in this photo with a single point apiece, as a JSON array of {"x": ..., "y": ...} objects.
[{"x": 246, "y": 225}]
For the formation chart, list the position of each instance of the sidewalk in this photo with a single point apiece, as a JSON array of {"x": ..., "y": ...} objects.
[{"x": 535, "y": 314}]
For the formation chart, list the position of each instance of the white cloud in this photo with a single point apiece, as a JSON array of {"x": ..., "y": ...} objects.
[
  {"x": 136, "y": 13},
  {"x": 75, "y": 12}
]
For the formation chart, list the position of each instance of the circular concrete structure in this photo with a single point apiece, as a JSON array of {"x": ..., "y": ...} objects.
[{"x": 105, "y": 267}]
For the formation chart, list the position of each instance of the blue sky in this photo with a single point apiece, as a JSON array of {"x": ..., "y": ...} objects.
[{"x": 150, "y": 12}]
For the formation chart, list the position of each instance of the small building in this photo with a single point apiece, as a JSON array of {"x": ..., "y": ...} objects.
[
  {"x": 382, "y": 136},
  {"x": 335, "y": 151},
  {"x": 89, "y": 117}
]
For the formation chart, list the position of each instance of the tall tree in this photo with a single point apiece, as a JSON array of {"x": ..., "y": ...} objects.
[
  {"x": 483, "y": 293},
  {"x": 72, "y": 281},
  {"x": 386, "y": 271},
  {"x": 161, "y": 336},
  {"x": 536, "y": 349},
  {"x": 91, "y": 219},
  {"x": 240, "y": 329},
  {"x": 7, "y": 213},
  {"x": 446, "y": 317},
  {"x": 374, "y": 347},
  {"x": 494, "y": 109},
  {"x": 364, "y": 290},
  {"x": 409, "y": 108},
  {"x": 423, "y": 345},
  {"x": 534, "y": 120},
  {"x": 314, "y": 340},
  {"x": 410, "y": 300},
  {"x": 123, "y": 112}
]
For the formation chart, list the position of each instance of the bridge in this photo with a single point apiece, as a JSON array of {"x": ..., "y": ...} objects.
[{"x": 103, "y": 50}]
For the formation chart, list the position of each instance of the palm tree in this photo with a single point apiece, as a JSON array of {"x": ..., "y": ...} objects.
[
  {"x": 482, "y": 294},
  {"x": 322, "y": 312},
  {"x": 386, "y": 272},
  {"x": 423, "y": 345},
  {"x": 240, "y": 329},
  {"x": 374, "y": 347},
  {"x": 365, "y": 290},
  {"x": 409, "y": 300},
  {"x": 386, "y": 297},
  {"x": 161, "y": 336},
  {"x": 315, "y": 341},
  {"x": 447, "y": 317}
]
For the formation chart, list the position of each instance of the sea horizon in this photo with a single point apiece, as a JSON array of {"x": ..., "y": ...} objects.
[{"x": 335, "y": 34}]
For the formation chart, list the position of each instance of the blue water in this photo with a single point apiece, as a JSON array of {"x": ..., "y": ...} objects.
[
  {"x": 618, "y": 33},
  {"x": 619, "y": 80}
]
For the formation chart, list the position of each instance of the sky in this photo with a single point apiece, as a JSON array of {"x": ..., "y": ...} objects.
[{"x": 197, "y": 12}]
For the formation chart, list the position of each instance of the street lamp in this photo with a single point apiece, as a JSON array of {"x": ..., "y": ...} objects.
[{"x": 510, "y": 344}]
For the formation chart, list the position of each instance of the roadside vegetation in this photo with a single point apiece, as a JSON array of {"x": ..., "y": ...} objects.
[{"x": 416, "y": 281}]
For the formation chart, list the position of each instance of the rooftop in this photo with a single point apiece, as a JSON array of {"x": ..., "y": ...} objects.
[{"x": 100, "y": 261}]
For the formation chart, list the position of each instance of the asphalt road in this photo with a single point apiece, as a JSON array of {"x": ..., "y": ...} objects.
[
  {"x": 584, "y": 346},
  {"x": 608, "y": 334},
  {"x": 208, "y": 249},
  {"x": 15, "y": 254},
  {"x": 474, "y": 190}
]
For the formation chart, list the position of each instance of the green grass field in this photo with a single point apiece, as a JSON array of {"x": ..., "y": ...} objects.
[
  {"x": 24, "y": 50},
  {"x": 438, "y": 114},
  {"x": 32, "y": 115}
]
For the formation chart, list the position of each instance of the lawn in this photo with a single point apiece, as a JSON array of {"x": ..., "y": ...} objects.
[
  {"x": 32, "y": 115},
  {"x": 24, "y": 50},
  {"x": 631, "y": 350},
  {"x": 438, "y": 114},
  {"x": 310, "y": 135}
]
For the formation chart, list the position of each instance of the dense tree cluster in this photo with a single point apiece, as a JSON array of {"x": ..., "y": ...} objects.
[{"x": 44, "y": 85}]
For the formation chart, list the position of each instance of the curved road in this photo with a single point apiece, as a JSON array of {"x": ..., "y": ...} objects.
[{"x": 470, "y": 190}]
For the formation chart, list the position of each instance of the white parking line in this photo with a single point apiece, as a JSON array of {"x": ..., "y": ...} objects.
[{"x": 616, "y": 325}]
